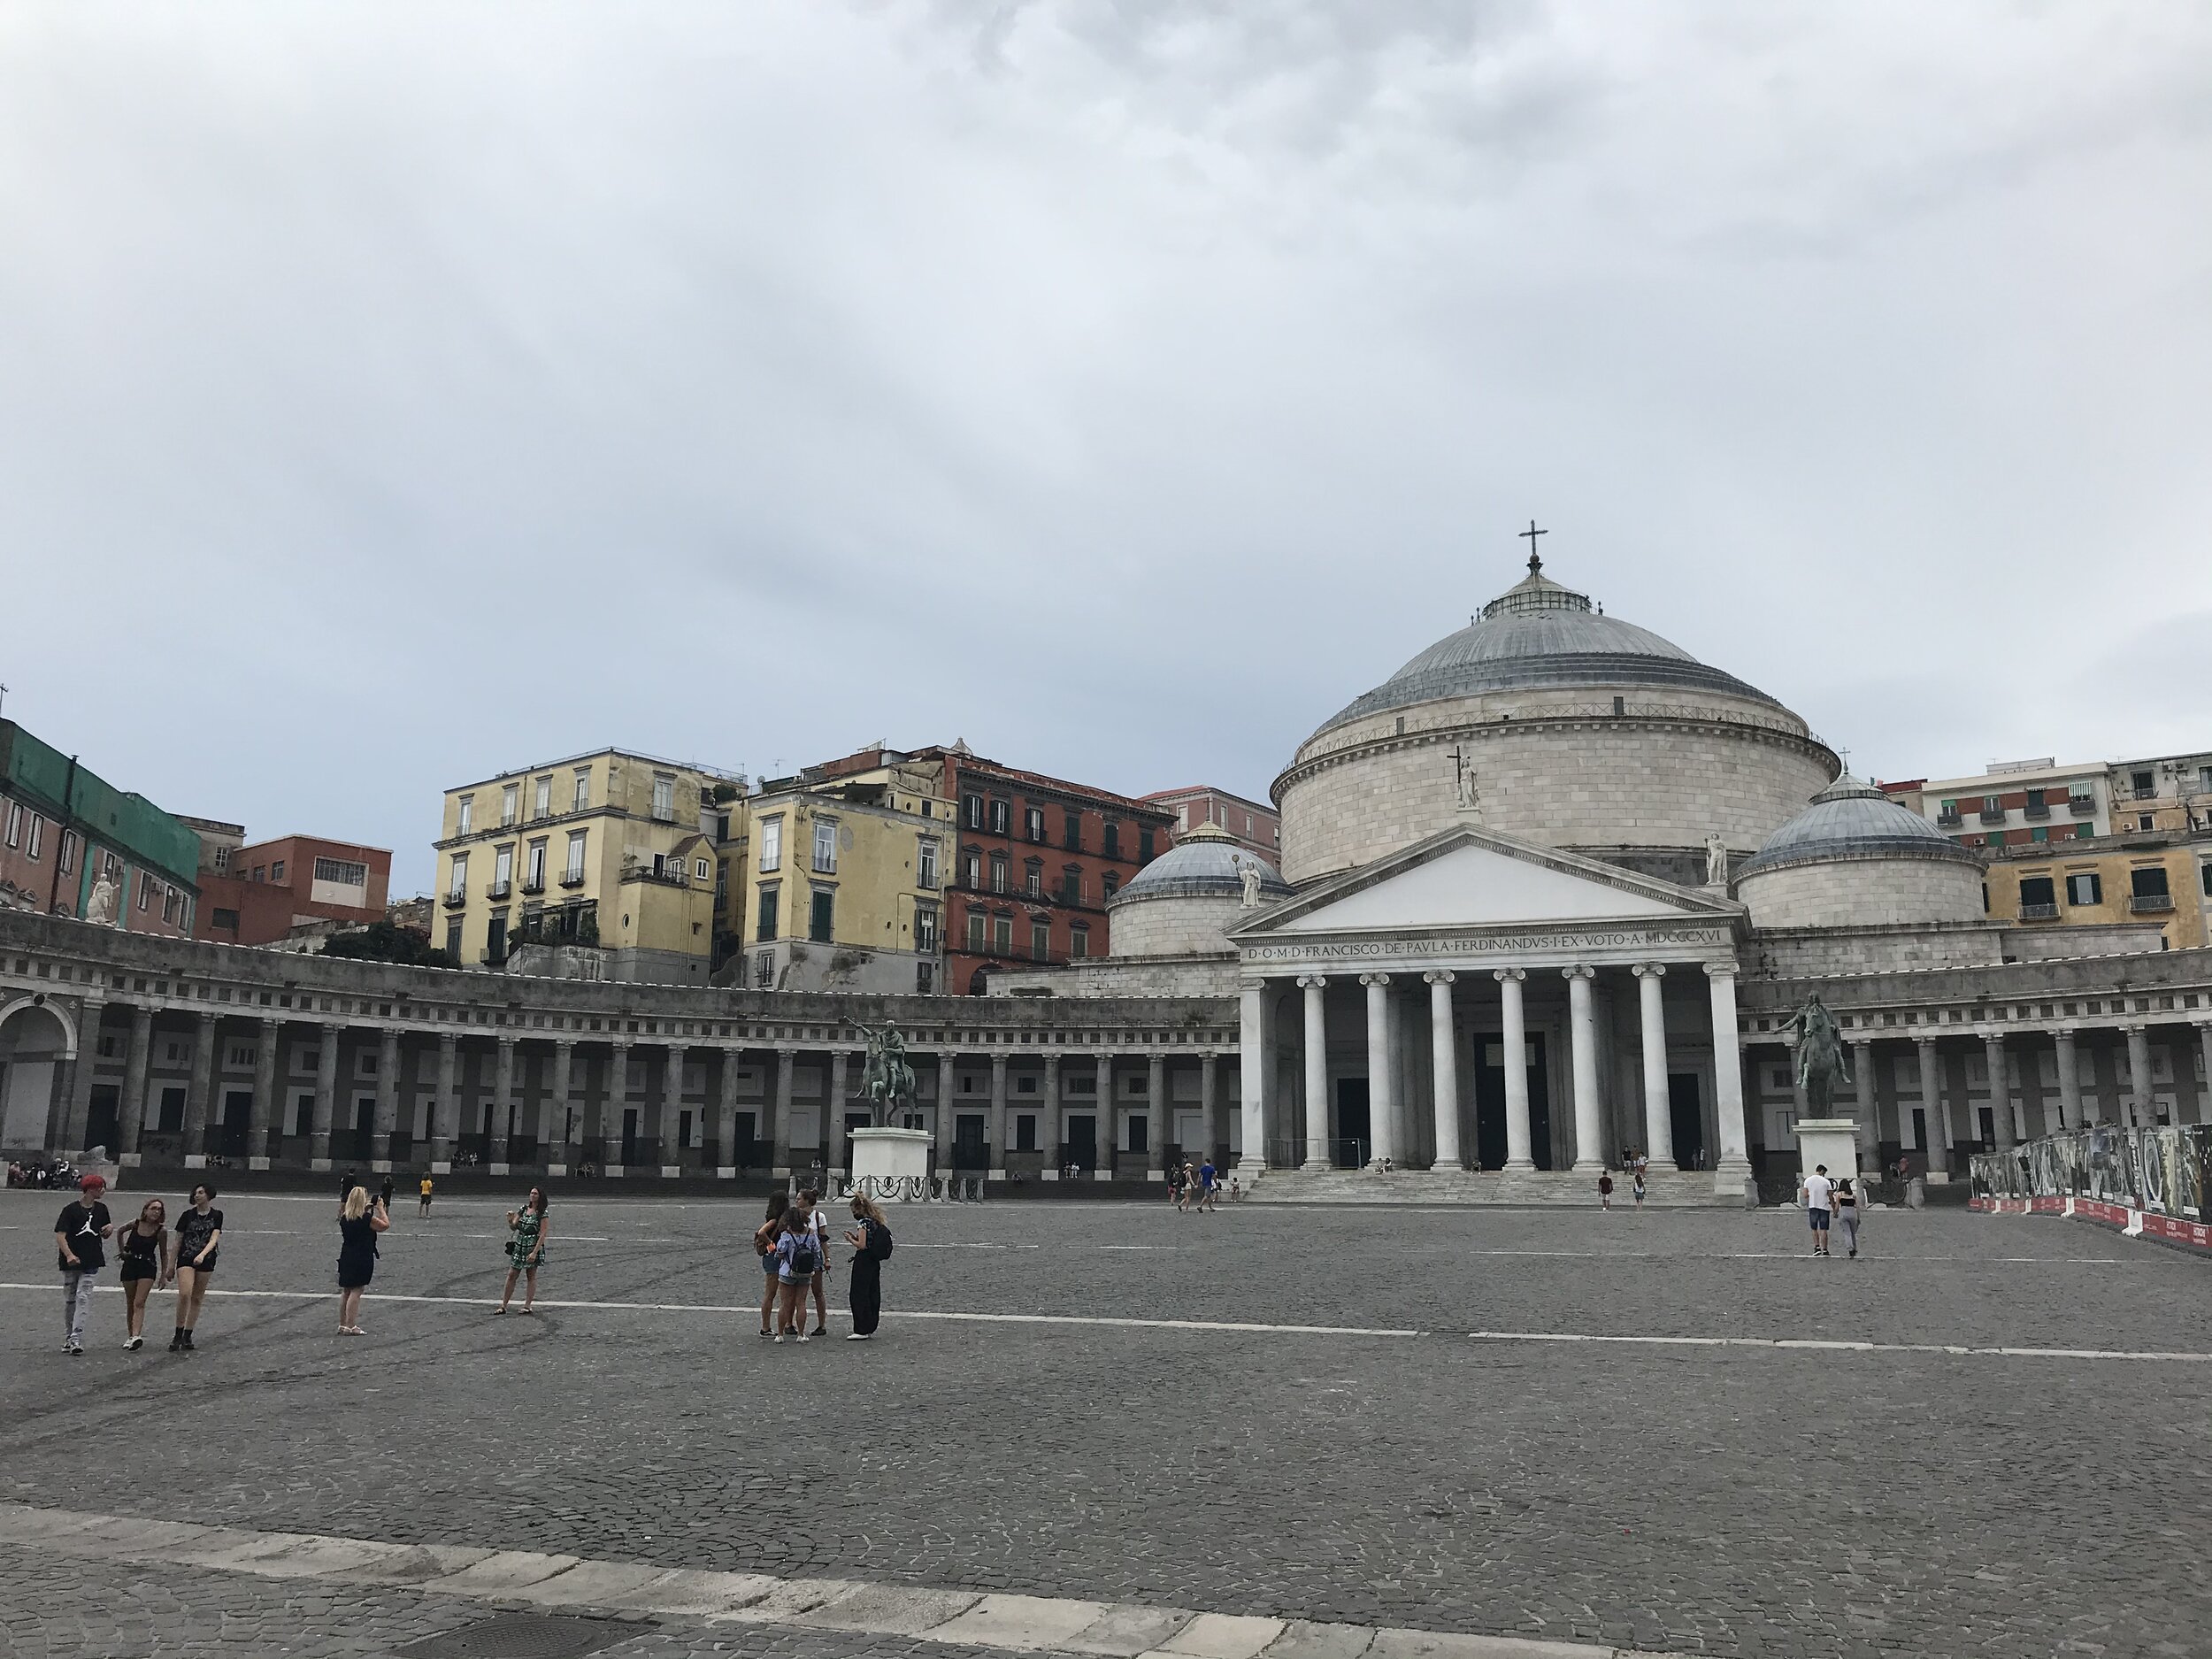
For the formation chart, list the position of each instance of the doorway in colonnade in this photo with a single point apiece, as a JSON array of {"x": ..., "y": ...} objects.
[
  {"x": 1490, "y": 1142},
  {"x": 1685, "y": 1112},
  {"x": 230, "y": 1134},
  {"x": 1354, "y": 1124}
]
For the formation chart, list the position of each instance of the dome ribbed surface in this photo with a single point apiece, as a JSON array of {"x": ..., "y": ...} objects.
[
  {"x": 1539, "y": 634},
  {"x": 1205, "y": 863},
  {"x": 1853, "y": 819}
]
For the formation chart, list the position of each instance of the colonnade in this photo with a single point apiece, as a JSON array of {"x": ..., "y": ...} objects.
[{"x": 1386, "y": 1089}]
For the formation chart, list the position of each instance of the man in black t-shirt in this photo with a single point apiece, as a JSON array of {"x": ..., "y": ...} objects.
[{"x": 80, "y": 1237}]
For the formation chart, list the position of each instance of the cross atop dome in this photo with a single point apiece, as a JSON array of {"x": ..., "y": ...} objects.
[{"x": 1535, "y": 563}]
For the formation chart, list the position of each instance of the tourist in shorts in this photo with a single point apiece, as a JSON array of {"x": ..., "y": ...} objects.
[
  {"x": 359, "y": 1220},
  {"x": 1637, "y": 1185},
  {"x": 764, "y": 1237},
  {"x": 143, "y": 1250},
  {"x": 1605, "y": 1189},
  {"x": 1847, "y": 1215},
  {"x": 1819, "y": 1194},
  {"x": 1208, "y": 1185},
  {"x": 199, "y": 1235},
  {"x": 80, "y": 1237},
  {"x": 798, "y": 1262},
  {"x": 529, "y": 1232},
  {"x": 426, "y": 1196},
  {"x": 809, "y": 1204}
]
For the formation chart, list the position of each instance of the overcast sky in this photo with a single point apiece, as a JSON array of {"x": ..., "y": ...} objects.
[{"x": 391, "y": 396}]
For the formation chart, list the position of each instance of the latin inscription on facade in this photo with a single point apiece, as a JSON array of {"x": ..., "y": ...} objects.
[{"x": 1487, "y": 944}]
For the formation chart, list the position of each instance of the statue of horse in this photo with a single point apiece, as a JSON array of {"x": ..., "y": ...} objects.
[
  {"x": 1821, "y": 1064},
  {"x": 888, "y": 1080}
]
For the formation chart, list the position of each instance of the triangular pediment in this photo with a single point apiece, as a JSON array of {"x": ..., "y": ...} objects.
[{"x": 1467, "y": 878}]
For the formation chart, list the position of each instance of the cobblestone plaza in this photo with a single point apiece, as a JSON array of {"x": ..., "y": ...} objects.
[{"x": 1278, "y": 1430}]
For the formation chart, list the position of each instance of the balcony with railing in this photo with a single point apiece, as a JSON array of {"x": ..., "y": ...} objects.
[
  {"x": 2036, "y": 807},
  {"x": 456, "y": 898},
  {"x": 574, "y": 879},
  {"x": 2082, "y": 805},
  {"x": 532, "y": 885},
  {"x": 2150, "y": 903},
  {"x": 1949, "y": 820},
  {"x": 499, "y": 890},
  {"x": 2039, "y": 912},
  {"x": 1993, "y": 815},
  {"x": 669, "y": 875}
]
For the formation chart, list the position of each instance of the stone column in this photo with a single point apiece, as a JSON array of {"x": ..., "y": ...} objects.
[
  {"x": 1209, "y": 1097},
  {"x": 725, "y": 1110},
  {"x": 131, "y": 1120},
  {"x": 1158, "y": 1108},
  {"x": 503, "y": 1105},
  {"x": 1514, "y": 1028},
  {"x": 1732, "y": 1167},
  {"x": 2068, "y": 1080},
  {"x": 326, "y": 1095},
  {"x": 1253, "y": 1038},
  {"x": 1869, "y": 1122},
  {"x": 779, "y": 1151},
  {"x": 77, "y": 1113},
  {"x": 618, "y": 1102},
  {"x": 1049, "y": 1120},
  {"x": 1938, "y": 1117},
  {"x": 1316, "y": 1064},
  {"x": 386, "y": 1097},
  {"x": 833, "y": 1112},
  {"x": 558, "y": 1132},
  {"x": 2143, "y": 1111},
  {"x": 1658, "y": 1106},
  {"x": 264, "y": 1108},
  {"x": 200, "y": 1086},
  {"x": 944, "y": 1112},
  {"x": 1382, "y": 1094},
  {"x": 1583, "y": 1035},
  {"x": 998, "y": 1114},
  {"x": 1444, "y": 1063},
  {"x": 2000, "y": 1089},
  {"x": 2204, "y": 1044},
  {"x": 445, "y": 1108}
]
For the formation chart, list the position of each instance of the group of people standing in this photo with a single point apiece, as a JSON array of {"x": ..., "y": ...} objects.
[
  {"x": 793, "y": 1244},
  {"x": 1195, "y": 1186},
  {"x": 151, "y": 1260},
  {"x": 1831, "y": 1205}
]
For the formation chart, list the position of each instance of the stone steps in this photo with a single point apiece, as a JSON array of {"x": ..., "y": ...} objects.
[{"x": 1549, "y": 1188}]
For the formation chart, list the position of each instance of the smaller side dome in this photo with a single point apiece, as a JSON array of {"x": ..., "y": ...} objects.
[
  {"x": 1851, "y": 818},
  {"x": 1205, "y": 863}
]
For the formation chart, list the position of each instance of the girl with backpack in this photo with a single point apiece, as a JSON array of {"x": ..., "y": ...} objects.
[
  {"x": 798, "y": 1258},
  {"x": 871, "y": 1245},
  {"x": 764, "y": 1237}
]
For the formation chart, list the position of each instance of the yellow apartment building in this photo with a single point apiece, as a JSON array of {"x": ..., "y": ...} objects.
[
  {"x": 836, "y": 881},
  {"x": 600, "y": 865},
  {"x": 2142, "y": 879}
]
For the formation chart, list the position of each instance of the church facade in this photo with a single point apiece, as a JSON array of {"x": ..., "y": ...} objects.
[{"x": 1548, "y": 897}]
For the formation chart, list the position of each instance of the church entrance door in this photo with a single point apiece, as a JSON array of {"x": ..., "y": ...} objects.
[
  {"x": 1490, "y": 1143},
  {"x": 1081, "y": 1147},
  {"x": 1687, "y": 1115},
  {"x": 1355, "y": 1131}
]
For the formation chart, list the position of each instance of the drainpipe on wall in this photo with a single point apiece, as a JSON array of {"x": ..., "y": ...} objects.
[{"x": 68, "y": 818}]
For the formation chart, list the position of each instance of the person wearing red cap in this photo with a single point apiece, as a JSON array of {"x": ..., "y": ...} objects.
[{"x": 80, "y": 1235}]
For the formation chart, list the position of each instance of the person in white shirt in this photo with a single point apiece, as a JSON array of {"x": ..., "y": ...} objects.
[{"x": 1819, "y": 1194}]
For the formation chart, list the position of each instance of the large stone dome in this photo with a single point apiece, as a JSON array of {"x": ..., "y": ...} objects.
[
  {"x": 1541, "y": 634},
  {"x": 1183, "y": 903},
  {"x": 1851, "y": 818},
  {"x": 1855, "y": 858},
  {"x": 1583, "y": 731}
]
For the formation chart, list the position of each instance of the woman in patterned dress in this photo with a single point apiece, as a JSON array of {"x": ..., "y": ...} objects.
[{"x": 526, "y": 1250}]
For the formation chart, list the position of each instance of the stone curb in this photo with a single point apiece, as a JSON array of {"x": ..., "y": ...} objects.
[{"x": 1018, "y": 1623}]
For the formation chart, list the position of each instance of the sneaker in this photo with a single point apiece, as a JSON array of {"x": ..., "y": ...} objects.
[
  {"x": 72, "y": 1347},
  {"x": 802, "y": 1336},
  {"x": 176, "y": 1341},
  {"x": 821, "y": 1329},
  {"x": 133, "y": 1345},
  {"x": 778, "y": 1336},
  {"x": 498, "y": 1311},
  {"x": 859, "y": 1336}
]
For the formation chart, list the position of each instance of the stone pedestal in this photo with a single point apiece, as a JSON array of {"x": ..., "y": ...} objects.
[
  {"x": 1831, "y": 1141},
  {"x": 892, "y": 1164}
]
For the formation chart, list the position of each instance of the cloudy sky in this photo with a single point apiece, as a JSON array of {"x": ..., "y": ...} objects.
[{"x": 390, "y": 396}]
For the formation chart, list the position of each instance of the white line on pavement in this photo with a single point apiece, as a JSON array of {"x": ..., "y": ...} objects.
[{"x": 1842, "y": 1347}]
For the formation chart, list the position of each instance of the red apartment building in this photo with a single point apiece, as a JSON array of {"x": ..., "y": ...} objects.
[
  {"x": 1256, "y": 828},
  {"x": 255, "y": 893},
  {"x": 1035, "y": 859}
]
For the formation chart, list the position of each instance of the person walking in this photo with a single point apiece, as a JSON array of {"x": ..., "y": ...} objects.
[
  {"x": 199, "y": 1236},
  {"x": 526, "y": 1250},
  {"x": 1637, "y": 1187},
  {"x": 1208, "y": 1185},
  {"x": 1848, "y": 1215},
  {"x": 81, "y": 1232},
  {"x": 1605, "y": 1189},
  {"x": 385, "y": 1192},
  {"x": 798, "y": 1264},
  {"x": 359, "y": 1220},
  {"x": 764, "y": 1237},
  {"x": 143, "y": 1250},
  {"x": 426, "y": 1196},
  {"x": 872, "y": 1247},
  {"x": 1819, "y": 1195}
]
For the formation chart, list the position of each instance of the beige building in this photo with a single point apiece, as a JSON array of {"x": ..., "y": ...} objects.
[
  {"x": 838, "y": 878},
  {"x": 600, "y": 865}
]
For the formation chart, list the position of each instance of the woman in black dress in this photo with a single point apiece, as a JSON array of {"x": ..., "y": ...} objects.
[
  {"x": 359, "y": 1221},
  {"x": 871, "y": 1243},
  {"x": 143, "y": 1247},
  {"x": 199, "y": 1239}
]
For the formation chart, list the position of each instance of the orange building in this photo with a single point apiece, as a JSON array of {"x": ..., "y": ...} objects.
[{"x": 255, "y": 893}]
